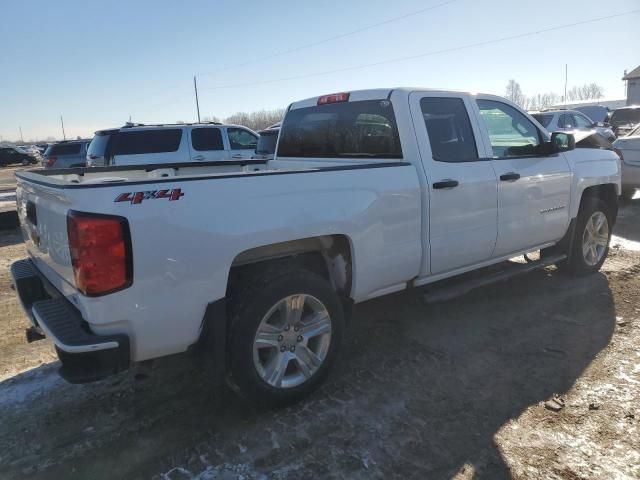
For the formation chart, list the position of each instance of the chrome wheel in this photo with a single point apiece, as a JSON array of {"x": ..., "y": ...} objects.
[
  {"x": 595, "y": 238},
  {"x": 292, "y": 341}
]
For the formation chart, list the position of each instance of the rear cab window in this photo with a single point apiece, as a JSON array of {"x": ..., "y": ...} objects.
[{"x": 356, "y": 129}]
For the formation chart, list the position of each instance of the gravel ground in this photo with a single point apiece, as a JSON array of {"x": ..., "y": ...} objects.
[{"x": 537, "y": 378}]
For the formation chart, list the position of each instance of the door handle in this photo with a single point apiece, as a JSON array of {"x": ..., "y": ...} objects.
[
  {"x": 448, "y": 183},
  {"x": 238, "y": 155},
  {"x": 510, "y": 176},
  {"x": 199, "y": 157}
]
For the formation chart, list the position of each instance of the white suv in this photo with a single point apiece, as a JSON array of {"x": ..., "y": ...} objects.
[{"x": 150, "y": 144}]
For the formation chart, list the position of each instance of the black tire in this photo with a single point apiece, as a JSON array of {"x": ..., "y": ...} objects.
[
  {"x": 249, "y": 305},
  {"x": 577, "y": 264}
]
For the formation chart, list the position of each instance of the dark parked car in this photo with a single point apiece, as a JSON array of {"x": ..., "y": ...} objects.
[
  {"x": 67, "y": 154},
  {"x": 10, "y": 155},
  {"x": 624, "y": 120}
]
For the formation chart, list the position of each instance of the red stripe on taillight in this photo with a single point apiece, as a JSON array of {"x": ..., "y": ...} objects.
[
  {"x": 51, "y": 161},
  {"x": 100, "y": 247}
]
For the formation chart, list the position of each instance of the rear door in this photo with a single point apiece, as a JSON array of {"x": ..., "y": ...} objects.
[
  {"x": 207, "y": 144},
  {"x": 533, "y": 188},
  {"x": 461, "y": 183},
  {"x": 242, "y": 142}
]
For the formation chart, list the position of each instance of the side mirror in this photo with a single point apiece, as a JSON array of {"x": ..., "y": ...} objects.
[
  {"x": 598, "y": 124},
  {"x": 561, "y": 142}
]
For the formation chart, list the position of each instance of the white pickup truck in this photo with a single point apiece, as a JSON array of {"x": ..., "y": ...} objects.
[{"x": 259, "y": 262}]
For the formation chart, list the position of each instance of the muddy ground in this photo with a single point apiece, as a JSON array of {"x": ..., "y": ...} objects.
[{"x": 451, "y": 390}]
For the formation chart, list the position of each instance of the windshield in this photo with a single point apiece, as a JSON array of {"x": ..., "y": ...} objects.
[
  {"x": 543, "y": 118},
  {"x": 595, "y": 113},
  {"x": 341, "y": 130},
  {"x": 625, "y": 115}
]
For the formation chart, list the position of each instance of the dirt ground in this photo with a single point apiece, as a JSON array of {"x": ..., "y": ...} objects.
[{"x": 452, "y": 390}]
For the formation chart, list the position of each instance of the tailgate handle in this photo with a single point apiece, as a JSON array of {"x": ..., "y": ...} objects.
[{"x": 448, "y": 183}]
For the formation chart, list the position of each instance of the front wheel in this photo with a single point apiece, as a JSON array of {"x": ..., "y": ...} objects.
[
  {"x": 591, "y": 238},
  {"x": 285, "y": 334}
]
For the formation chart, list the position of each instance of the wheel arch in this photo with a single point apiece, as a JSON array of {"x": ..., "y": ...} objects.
[
  {"x": 608, "y": 193},
  {"x": 328, "y": 255}
]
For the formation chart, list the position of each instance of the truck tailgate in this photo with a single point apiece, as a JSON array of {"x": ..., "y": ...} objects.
[{"x": 43, "y": 219}]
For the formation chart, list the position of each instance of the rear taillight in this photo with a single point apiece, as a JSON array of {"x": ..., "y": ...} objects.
[
  {"x": 619, "y": 152},
  {"x": 51, "y": 161},
  {"x": 100, "y": 247},
  {"x": 333, "y": 98}
]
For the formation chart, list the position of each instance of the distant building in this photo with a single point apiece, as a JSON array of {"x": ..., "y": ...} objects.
[{"x": 633, "y": 86}]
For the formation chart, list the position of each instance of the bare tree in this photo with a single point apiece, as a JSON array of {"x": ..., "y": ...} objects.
[
  {"x": 585, "y": 92},
  {"x": 514, "y": 93},
  {"x": 256, "y": 120}
]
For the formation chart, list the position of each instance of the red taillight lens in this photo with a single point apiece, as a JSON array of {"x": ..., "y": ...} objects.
[
  {"x": 100, "y": 247},
  {"x": 619, "y": 152},
  {"x": 333, "y": 98},
  {"x": 51, "y": 161}
]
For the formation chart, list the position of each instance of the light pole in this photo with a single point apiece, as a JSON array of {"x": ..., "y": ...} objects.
[
  {"x": 195, "y": 87},
  {"x": 64, "y": 136}
]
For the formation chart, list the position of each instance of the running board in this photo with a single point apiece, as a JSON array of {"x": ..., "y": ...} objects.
[{"x": 447, "y": 293}]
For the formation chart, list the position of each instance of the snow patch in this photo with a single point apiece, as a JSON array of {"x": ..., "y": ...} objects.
[{"x": 25, "y": 386}]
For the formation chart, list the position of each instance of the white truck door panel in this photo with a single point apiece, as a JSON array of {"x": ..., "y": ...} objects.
[
  {"x": 533, "y": 188},
  {"x": 207, "y": 145},
  {"x": 462, "y": 185}
]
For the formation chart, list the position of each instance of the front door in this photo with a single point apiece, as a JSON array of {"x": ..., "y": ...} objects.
[
  {"x": 242, "y": 143},
  {"x": 533, "y": 188},
  {"x": 462, "y": 212}
]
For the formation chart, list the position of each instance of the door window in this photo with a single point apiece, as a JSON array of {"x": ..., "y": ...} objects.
[
  {"x": 511, "y": 133},
  {"x": 206, "y": 139},
  {"x": 582, "y": 122},
  {"x": 449, "y": 129},
  {"x": 566, "y": 121},
  {"x": 240, "y": 139}
]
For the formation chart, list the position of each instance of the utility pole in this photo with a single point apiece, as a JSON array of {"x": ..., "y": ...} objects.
[
  {"x": 566, "y": 76},
  {"x": 195, "y": 87},
  {"x": 64, "y": 136},
  {"x": 21, "y": 139}
]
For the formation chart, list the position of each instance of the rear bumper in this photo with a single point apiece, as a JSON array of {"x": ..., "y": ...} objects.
[{"x": 85, "y": 357}]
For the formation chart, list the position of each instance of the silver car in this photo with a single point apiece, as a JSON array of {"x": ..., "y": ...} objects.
[{"x": 555, "y": 120}]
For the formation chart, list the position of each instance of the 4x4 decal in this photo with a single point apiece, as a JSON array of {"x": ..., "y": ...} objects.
[{"x": 137, "y": 197}]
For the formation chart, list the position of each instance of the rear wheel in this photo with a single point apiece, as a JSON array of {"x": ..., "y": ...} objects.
[
  {"x": 285, "y": 333},
  {"x": 591, "y": 238}
]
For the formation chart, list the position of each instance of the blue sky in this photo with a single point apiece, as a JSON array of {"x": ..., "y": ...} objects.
[{"x": 97, "y": 63}]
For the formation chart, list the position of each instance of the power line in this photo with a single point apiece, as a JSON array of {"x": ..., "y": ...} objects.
[
  {"x": 329, "y": 39},
  {"x": 309, "y": 45},
  {"x": 425, "y": 54}
]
